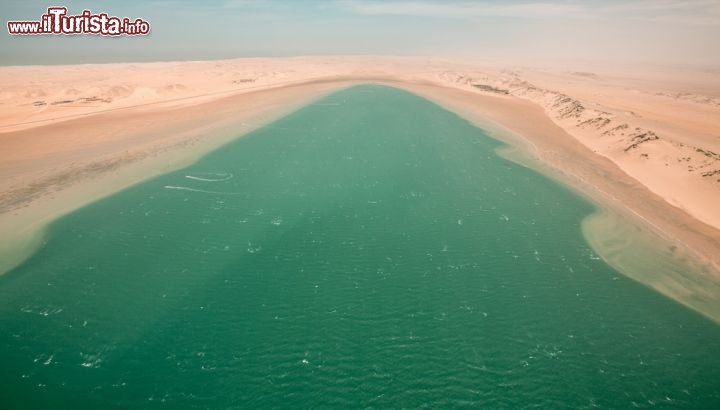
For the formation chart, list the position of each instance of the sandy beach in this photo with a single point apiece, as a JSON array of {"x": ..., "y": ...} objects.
[{"x": 644, "y": 147}]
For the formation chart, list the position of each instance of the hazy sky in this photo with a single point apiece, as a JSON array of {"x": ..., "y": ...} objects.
[{"x": 636, "y": 31}]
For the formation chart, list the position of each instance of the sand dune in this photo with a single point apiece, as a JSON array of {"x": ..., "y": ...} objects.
[{"x": 671, "y": 145}]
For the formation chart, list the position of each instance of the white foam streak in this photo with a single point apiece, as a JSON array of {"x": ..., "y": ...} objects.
[
  {"x": 184, "y": 188},
  {"x": 215, "y": 177}
]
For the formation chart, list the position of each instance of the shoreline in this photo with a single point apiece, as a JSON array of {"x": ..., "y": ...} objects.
[
  {"x": 189, "y": 131},
  {"x": 564, "y": 159},
  {"x": 28, "y": 212}
]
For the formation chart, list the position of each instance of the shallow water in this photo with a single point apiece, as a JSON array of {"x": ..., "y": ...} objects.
[{"x": 370, "y": 250}]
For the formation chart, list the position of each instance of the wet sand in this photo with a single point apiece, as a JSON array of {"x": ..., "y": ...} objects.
[{"x": 57, "y": 168}]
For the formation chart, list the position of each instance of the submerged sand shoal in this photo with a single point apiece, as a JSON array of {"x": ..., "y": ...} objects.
[{"x": 65, "y": 144}]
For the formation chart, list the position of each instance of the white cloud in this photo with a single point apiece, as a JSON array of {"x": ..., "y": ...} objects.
[
  {"x": 687, "y": 12},
  {"x": 693, "y": 12},
  {"x": 693, "y": 6},
  {"x": 463, "y": 9}
]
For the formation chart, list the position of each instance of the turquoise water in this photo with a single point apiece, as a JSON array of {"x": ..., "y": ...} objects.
[{"x": 369, "y": 250}]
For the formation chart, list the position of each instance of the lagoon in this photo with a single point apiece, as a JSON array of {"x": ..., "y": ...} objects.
[{"x": 368, "y": 250}]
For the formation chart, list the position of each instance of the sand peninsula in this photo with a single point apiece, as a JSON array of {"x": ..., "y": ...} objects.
[{"x": 644, "y": 147}]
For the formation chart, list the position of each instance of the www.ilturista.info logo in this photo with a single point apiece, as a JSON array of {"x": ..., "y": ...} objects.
[{"x": 56, "y": 21}]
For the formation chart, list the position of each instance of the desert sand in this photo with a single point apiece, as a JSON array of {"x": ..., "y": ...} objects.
[{"x": 647, "y": 146}]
